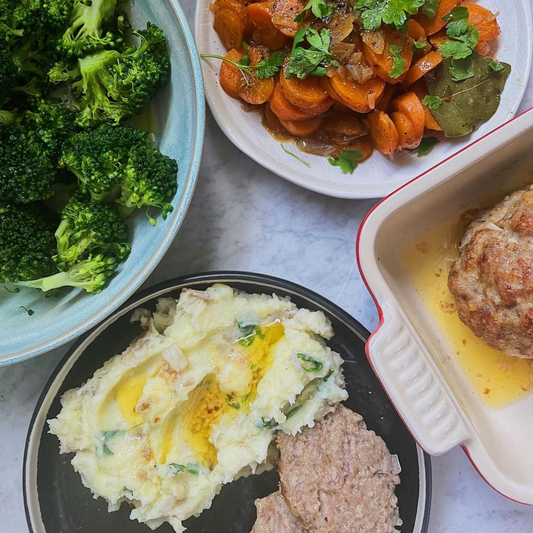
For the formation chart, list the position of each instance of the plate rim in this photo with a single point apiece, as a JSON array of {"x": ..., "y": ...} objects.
[
  {"x": 190, "y": 184},
  {"x": 342, "y": 194},
  {"x": 32, "y": 442}
]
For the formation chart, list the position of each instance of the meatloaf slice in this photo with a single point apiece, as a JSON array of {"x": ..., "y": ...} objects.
[
  {"x": 275, "y": 516},
  {"x": 339, "y": 477}
]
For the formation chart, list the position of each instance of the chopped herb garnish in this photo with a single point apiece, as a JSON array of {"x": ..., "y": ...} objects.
[
  {"x": 495, "y": 65},
  {"x": 292, "y": 412},
  {"x": 430, "y": 7},
  {"x": 398, "y": 62},
  {"x": 295, "y": 156},
  {"x": 315, "y": 366},
  {"x": 230, "y": 400},
  {"x": 433, "y": 102},
  {"x": 320, "y": 9},
  {"x": 425, "y": 147},
  {"x": 249, "y": 332},
  {"x": 190, "y": 467},
  {"x": 107, "y": 451},
  {"x": 328, "y": 375},
  {"x": 395, "y": 12},
  {"x": 420, "y": 44},
  {"x": 313, "y": 60},
  {"x": 107, "y": 436},
  {"x": 30, "y": 312},
  {"x": 267, "y": 68},
  {"x": 269, "y": 424},
  {"x": 347, "y": 160}
]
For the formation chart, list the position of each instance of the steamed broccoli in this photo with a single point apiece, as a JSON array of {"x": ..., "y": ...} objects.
[
  {"x": 27, "y": 167},
  {"x": 90, "y": 28},
  {"x": 8, "y": 76},
  {"x": 118, "y": 163},
  {"x": 27, "y": 242},
  {"x": 87, "y": 228},
  {"x": 118, "y": 85},
  {"x": 11, "y": 18}
]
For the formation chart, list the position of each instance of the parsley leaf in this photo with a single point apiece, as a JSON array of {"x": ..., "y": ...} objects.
[
  {"x": 310, "y": 61},
  {"x": 378, "y": 12},
  {"x": 347, "y": 160},
  {"x": 398, "y": 63},
  {"x": 320, "y": 9},
  {"x": 433, "y": 102},
  {"x": 495, "y": 65},
  {"x": 420, "y": 44},
  {"x": 457, "y": 20},
  {"x": 430, "y": 7},
  {"x": 425, "y": 147},
  {"x": 455, "y": 49},
  {"x": 270, "y": 66}
]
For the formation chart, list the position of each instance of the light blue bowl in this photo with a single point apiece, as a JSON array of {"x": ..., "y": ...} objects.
[{"x": 179, "y": 115}]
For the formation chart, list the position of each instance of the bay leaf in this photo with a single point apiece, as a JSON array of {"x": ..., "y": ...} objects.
[{"x": 466, "y": 104}]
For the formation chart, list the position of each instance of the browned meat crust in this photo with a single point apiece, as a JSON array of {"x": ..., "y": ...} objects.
[
  {"x": 492, "y": 281},
  {"x": 274, "y": 516},
  {"x": 338, "y": 477}
]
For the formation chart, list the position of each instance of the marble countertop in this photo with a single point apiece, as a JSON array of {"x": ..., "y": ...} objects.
[{"x": 243, "y": 217}]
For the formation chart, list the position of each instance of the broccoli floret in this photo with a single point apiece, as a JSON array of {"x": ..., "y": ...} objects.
[
  {"x": 27, "y": 166},
  {"x": 118, "y": 85},
  {"x": 8, "y": 76},
  {"x": 92, "y": 275},
  {"x": 27, "y": 242},
  {"x": 12, "y": 17},
  {"x": 88, "y": 229},
  {"x": 89, "y": 28},
  {"x": 120, "y": 164},
  {"x": 8, "y": 118}
]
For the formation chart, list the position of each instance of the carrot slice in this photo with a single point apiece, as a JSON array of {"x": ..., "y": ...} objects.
[
  {"x": 364, "y": 144},
  {"x": 283, "y": 15},
  {"x": 388, "y": 94},
  {"x": 415, "y": 30},
  {"x": 362, "y": 97},
  {"x": 406, "y": 131},
  {"x": 344, "y": 126},
  {"x": 382, "y": 132},
  {"x": 239, "y": 8},
  {"x": 484, "y": 20},
  {"x": 421, "y": 68},
  {"x": 259, "y": 90},
  {"x": 307, "y": 94},
  {"x": 271, "y": 120},
  {"x": 230, "y": 28},
  {"x": 382, "y": 63},
  {"x": 483, "y": 48},
  {"x": 283, "y": 108},
  {"x": 231, "y": 78},
  {"x": 421, "y": 90},
  {"x": 302, "y": 128},
  {"x": 439, "y": 39},
  {"x": 410, "y": 105},
  {"x": 265, "y": 32},
  {"x": 435, "y": 24}
]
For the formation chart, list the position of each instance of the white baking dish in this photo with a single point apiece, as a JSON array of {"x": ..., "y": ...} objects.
[{"x": 409, "y": 352}]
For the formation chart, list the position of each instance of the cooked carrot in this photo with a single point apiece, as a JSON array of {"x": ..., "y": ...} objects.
[
  {"x": 421, "y": 90},
  {"x": 421, "y": 68},
  {"x": 231, "y": 78},
  {"x": 283, "y": 108},
  {"x": 362, "y": 97},
  {"x": 410, "y": 105},
  {"x": 382, "y": 64},
  {"x": 230, "y": 28},
  {"x": 321, "y": 109},
  {"x": 415, "y": 30},
  {"x": 435, "y": 24},
  {"x": 302, "y": 128},
  {"x": 388, "y": 94},
  {"x": 484, "y": 20},
  {"x": 239, "y": 8},
  {"x": 345, "y": 125},
  {"x": 308, "y": 94},
  {"x": 382, "y": 132},
  {"x": 439, "y": 39},
  {"x": 259, "y": 90},
  {"x": 363, "y": 144},
  {"x": 406, "y": 131},
  {"x": 271, "y": 120},
  {"x": 326, "y": 85},
  {"x": 283, "y": 15},
  {"x": 483, "y": 48},
  {"x": 265, "y": 33}
]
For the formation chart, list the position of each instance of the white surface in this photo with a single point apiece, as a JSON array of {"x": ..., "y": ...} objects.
[
  {"x": 380, "y": 175},
  {"x": 410, "y": 352},
  {"x": 243, "y": 217}
]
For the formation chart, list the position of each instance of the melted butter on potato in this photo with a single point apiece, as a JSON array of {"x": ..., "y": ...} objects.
[{"x": 182, "y": 411}]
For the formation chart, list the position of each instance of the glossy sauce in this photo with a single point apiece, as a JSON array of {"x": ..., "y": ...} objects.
[{"x": 498, "y": 379}]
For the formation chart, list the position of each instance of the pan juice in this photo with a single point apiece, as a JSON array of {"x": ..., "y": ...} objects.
[{"x": 499, "y": 380}]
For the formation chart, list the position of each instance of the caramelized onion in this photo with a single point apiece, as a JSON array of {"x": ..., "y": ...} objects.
[
  {"x": 359, "y": 72},
  {"x": 316, "y": 147},
  {"x": 343, "y": 51},
  {"x": 375, "y": 40}
]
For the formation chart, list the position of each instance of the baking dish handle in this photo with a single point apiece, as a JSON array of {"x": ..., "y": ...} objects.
[{"x": 415, "y": 385}]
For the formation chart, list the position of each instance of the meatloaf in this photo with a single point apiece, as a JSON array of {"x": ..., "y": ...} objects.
[
  {"x": 339, "y": 477},
  {"x": 492, "y": 281}
]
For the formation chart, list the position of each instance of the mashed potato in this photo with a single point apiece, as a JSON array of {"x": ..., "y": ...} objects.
[{"x": 195, "y": 402}]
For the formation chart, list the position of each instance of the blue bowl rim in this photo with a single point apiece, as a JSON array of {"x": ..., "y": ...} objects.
[{"x": 169, "y": 237}]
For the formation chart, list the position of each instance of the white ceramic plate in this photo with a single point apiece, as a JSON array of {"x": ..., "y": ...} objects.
[
  {"x": 380, "y": 175},
  {"x": 409, "y": 351}
]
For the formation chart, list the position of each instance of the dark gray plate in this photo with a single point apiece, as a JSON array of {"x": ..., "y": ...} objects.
[{"x": 57, "y": 502}]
